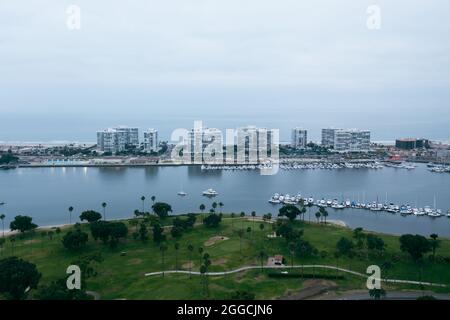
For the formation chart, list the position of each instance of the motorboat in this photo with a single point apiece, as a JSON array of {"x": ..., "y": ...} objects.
[
  {"x": 210, "y": 193},
  {"x": 182, "y": 193}
]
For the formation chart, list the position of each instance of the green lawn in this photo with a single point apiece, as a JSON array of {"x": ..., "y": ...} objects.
[{"x": 122, "y": 276}]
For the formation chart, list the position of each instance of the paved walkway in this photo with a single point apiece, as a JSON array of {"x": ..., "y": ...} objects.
[{"x": 318, "y": 266}]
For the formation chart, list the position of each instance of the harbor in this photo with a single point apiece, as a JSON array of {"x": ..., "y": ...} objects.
[
  {"x": 403, "y": 209},
  {"x": 50, "y": 191}
]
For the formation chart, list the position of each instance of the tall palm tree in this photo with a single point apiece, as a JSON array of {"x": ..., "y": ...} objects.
[
  {"x": 2, "y": 217},
  {"x": 70, "y": 214},
  {"x": 153, "y": 199},
  {"x": 163, "y": 249},
  {"x": 200, "y": 251},
  {"x": 318, "y": 216},
  {"x": 242, "y": 220},
  {"x": 202, "y": 208},
  {"x": 325, "y": 215},
  {"x": 221, "y": 206},
  {"x": 143, "y": 204},
  {"x": 190, "y": 248},
  {"x": 214, "y": 205},
  {"x": 177, "y": 247},
  {"x": 104, "y": 210},
  {"x": 292, "y": 252},
  {"x": 240, "y": 233},
  {"x": 262, "y": 255},
  {"x": 253, "y": 218},
  {"x": 232, "y": 220}
]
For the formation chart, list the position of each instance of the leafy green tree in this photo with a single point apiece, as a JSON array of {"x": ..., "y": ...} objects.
[
  {"x": 90, "y": 216},
  {"x": 261, "y": 226},
  {"x": 161, "y": 209},
  {"x": 345, "y": 246},
  {"x": 176, "y": 232},
  {"x": 16, "y": 275},
  {"x": 143, "y": 232},
  {"x": 375, "y": 243},
  {"x": 415, "y": 245},
  {"x": 75, "y": 240},
  {"x": 117, "y": 230},
  {"x": 158, "y": 234},
  {"x": 290, "y": 211},
  {"x": 377, "y": 294},
  {"x": 22, "y": 223},
  {"x": 57, "y": 290},
  {"x": 359, "y": 236},
  {"x": 212, "y": 221}
]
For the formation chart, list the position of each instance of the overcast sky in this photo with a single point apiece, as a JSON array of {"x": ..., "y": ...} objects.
[{"x": 147, "y": 61}]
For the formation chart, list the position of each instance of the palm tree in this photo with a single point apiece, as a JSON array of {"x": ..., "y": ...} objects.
[
  {"x": 292, "y": 251},
  {"x": 190, "y": 248},
  {"x": 253, "y": 218},
  {"x": 104, "y": 210},
  {"x": 240, "y": 233},
  {"x": 12, "y": 239},
  {"x": 303, "y": 213},
  {"x": 310, "y": 204},
  {"x": 317, "y": 216},
  {"x": 200, "y": 251},
  {"x": 143, "y": 204},
  {"x": 434, "y": 243},
  {"x": 153, "y": 198},
  {"x": 214, "y": 205},
  {"x": 70, "y": 214},
  {"x": 220, "y": 206},
  {"x": 232, "y": 220},
  {"x": 2, "y": 217},
  {"x": 163, "y": 249},
  {"x": 202, "y": 208},
  {"x": 262, "y": 255},
  {"x": 242, "y": 220},
  {"x": 177, "y": 247},
  {"x": 325, "y": 215}
]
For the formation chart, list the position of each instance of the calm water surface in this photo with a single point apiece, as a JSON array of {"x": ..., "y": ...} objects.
[{"x": 46, "y": 193}]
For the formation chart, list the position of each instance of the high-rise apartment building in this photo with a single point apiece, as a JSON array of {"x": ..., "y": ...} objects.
[{"x": 299, "y": 138}]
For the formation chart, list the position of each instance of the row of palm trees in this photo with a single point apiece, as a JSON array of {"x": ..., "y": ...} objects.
[{"x": 104, "y": 205}]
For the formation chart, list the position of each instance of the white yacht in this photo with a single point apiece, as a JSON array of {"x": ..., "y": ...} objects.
[
  {"x": 210, "y": 193},
  {"x": 182, "y": 193}
]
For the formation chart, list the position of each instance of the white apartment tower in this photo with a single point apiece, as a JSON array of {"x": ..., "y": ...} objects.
[
  {"x": 151, "y": 140},
  {"x": 346, "y": 140},
  {"x": 117, "y": 139},
  {"x": 299, "y": 138}
]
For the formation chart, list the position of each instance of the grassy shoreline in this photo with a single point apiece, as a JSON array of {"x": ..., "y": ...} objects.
[{"x": 122, "y": 275}]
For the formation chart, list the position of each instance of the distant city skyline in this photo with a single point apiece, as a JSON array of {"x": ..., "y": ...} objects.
[{"x": 271, "y": 64}]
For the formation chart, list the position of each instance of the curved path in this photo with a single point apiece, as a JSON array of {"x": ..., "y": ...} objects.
[{"x": 319, "y": 266}]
